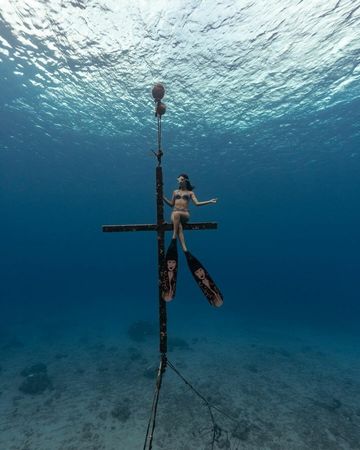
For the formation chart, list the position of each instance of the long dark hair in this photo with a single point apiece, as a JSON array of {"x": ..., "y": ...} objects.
[{"x": 189, "y": 186}]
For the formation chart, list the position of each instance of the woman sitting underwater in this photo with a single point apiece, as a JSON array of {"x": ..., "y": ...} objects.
[
  {"x": 179, "y": 216},
  {"x": 180, "y": 202}
]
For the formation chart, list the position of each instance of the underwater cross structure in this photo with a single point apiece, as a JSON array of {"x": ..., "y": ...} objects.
[{"x": 161, "y": 227}]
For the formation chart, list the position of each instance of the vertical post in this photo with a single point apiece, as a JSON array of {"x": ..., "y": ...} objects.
[{"x": 161, "y": 258}]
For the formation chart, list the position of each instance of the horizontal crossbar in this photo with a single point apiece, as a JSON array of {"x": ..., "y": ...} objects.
[{"x": 164, "y": 227}]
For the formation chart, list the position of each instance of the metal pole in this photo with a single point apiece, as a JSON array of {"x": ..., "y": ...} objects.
[{"x": 161, "y": 258}]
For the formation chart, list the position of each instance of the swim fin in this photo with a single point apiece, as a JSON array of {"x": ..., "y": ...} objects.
[
  {"x": 169, "y": 272},
  {"x": 205, "y": 282}
]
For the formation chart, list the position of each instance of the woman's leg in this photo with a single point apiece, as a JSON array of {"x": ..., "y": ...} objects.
[
  {"x": 181, "y": 237},
  {"x": 175, "y": 219},
  {"x": 178, "y": 228}
]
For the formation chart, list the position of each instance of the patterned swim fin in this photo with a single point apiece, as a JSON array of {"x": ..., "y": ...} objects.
[
  {"x": 205, "y": 282},
  {"x": 169, "y": 272}
]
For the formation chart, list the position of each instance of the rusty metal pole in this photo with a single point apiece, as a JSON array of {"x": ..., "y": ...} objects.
[{"x": 161, "y": 258}]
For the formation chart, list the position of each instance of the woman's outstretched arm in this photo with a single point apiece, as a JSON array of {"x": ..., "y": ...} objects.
[
  {"x": 197, "y": 203},
  {"x": 170, "y": 202}
]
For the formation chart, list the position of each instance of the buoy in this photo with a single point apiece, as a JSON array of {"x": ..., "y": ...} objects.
[
  {"x": 158, "y": 92},
  {"x": 160, "y": 109}
]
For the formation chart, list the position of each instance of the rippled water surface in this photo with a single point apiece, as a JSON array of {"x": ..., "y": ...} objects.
[{"x": 230, "y": 68}]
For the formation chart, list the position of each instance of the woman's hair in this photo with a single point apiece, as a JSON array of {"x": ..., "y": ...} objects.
[{"x": 189, "y": 186}]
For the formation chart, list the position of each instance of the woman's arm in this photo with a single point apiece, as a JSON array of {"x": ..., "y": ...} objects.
[
  {"x": 170, "y": 202},
  {"x": 197, "y": 203}
]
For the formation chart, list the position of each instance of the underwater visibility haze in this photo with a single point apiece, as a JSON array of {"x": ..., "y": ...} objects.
[{"x": 263, "y": 113}]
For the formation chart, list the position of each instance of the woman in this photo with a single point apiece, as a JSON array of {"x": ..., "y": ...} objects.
[
  {"x": 180, "y": 215},
  {"x": 180, "y": 203}
]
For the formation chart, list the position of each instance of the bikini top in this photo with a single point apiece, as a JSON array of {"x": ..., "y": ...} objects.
[{"x": 184, "y": 196}]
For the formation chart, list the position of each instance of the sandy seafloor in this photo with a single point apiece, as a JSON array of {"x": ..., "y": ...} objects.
[{"x": 288, "y": 387}]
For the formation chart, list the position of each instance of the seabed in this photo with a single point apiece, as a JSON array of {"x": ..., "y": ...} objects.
[{"x": 287, "y": 388}]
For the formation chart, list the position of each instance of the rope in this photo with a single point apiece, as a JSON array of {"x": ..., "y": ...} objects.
[
  {"x": 159, "y": 152},
  {"x": 198, "y": 393},
  {"x": 159, "y": 131},
  {"x": 216, "y": 430},
  {"x": 152, "y": 419}
]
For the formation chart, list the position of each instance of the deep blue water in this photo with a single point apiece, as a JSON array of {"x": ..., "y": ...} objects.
[
  {"x": 263, "y": 112},
  {"x": 278, "y": 148},
  {"x": 287, "y": 242}
]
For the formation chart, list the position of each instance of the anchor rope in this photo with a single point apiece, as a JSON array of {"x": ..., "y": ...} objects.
[
  {"x": 208, "y": 404},
  {"x": 159, "y": 131},
  {"x": 152, "y": 419},
  {"x": 216, "y": 429}
]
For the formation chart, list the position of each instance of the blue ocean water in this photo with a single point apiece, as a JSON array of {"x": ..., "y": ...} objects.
[{"x": 263, "y": 112}]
